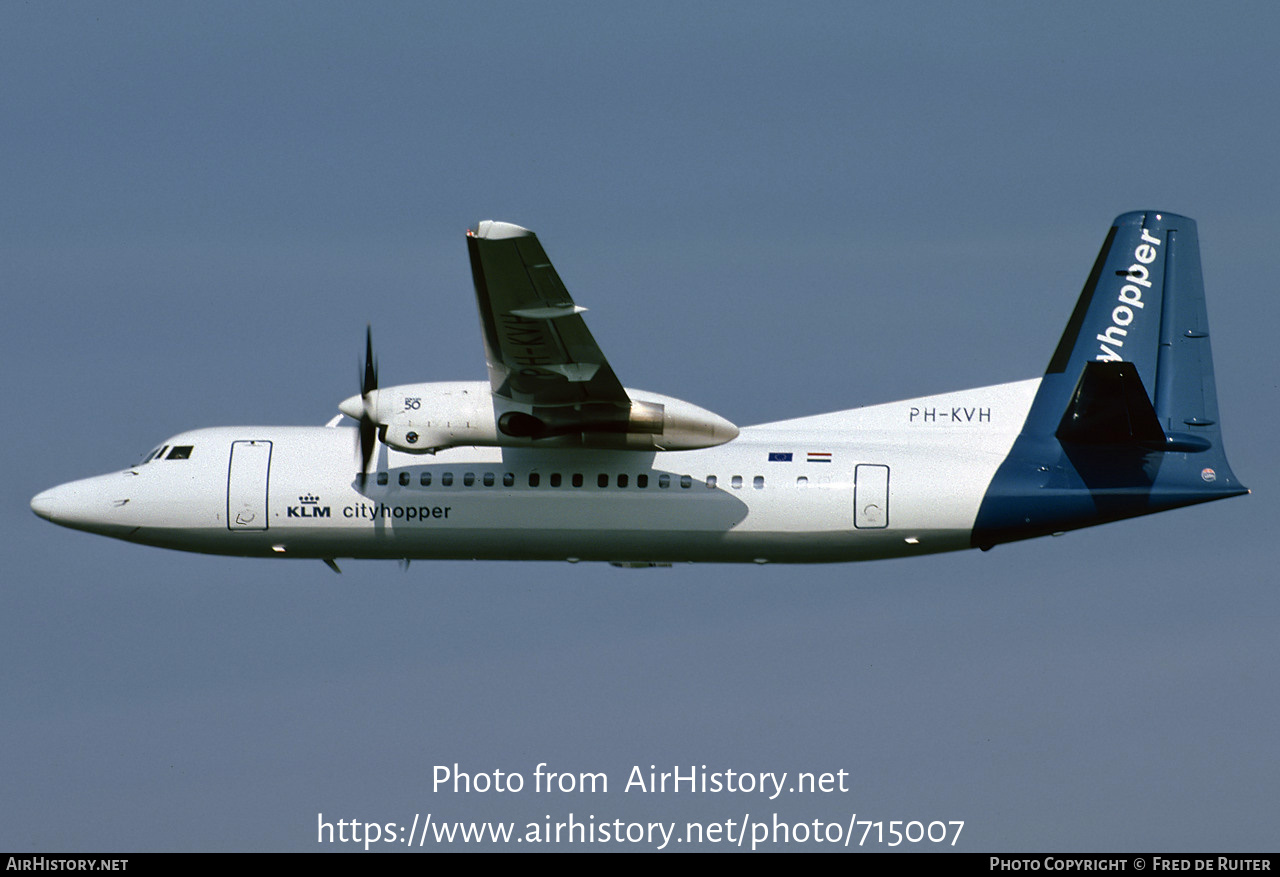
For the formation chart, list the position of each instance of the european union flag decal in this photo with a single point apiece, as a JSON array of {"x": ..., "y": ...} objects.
[{"x": 778, "y": 457}]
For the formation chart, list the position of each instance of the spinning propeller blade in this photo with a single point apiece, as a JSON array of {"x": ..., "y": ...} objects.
[{"x": 368, "y": 386}]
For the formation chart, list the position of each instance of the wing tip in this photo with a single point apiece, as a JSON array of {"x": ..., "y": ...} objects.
[{"x": 493, "y": 230}]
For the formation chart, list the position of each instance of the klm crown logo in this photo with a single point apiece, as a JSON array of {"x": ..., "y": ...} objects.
[{"x": 308, "y": 507}]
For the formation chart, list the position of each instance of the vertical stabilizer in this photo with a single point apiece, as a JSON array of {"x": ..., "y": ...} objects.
[{"x": 1125, "y": 421}]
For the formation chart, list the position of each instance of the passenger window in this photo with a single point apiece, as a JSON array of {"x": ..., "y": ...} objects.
[
  {"x": 555, "y": 479},
  {"x": 758, "y": 482},
  {"x": 425, "y": 480},
  {"x": 577, "y": 479},
  {"x": 802, "y": 481},
  {"x": 488, "y": 479},
  {"x": 622, "y": 480},
  {"x": 446, "y": 479},
  {"x": 664, "y": 480},
  {"x": 404, "y": 479},
  {"x": 508, "y": 479},
  {"x": 686, "y": 481},
  {"x": 468, "y": 479},
  {"x": 642, "y": 481},
  {"x": 711, "y": 482},
  {"x": 736, "y": 481},
  {"x": 602, "y": 480},
  {"x": 382, "y": 477},
  {"x": 534, "y": 478}
]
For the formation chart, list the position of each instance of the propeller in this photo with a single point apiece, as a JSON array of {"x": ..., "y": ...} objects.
[{"x": 368, "y": 387}]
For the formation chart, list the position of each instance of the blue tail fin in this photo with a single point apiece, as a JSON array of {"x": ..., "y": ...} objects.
[{"x": 1125, "y": 422}]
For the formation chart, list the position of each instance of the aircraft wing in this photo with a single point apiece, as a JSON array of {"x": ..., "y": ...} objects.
[{"x": 537, "y": 344}]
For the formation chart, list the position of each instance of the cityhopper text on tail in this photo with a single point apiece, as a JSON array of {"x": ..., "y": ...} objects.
[{"x": 553, "y": 458}]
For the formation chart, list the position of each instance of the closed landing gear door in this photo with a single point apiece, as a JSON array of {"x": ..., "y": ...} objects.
[
  {"x": 247, "y": 485},
  {"x": 871, "y": 497}
]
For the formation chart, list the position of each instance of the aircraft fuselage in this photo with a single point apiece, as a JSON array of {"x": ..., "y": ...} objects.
[{"x": 885, "y": 481}]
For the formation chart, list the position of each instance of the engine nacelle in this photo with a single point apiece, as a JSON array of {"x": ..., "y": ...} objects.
[
  {"x": 654, "y": 422},
  {"x": 685, "y": 426},
  {"x": 425, "y": 418}
]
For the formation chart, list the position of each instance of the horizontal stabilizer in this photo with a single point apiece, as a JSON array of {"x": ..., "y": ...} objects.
[{"x": 1110, "y": 407}]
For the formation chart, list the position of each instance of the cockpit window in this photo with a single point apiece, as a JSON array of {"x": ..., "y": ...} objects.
[{"x": 180, "y": 452}]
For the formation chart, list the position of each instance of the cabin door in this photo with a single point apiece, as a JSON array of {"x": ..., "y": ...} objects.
[
  {"x": 247, "y": 485},
  {"x": 871, "y": 497}
]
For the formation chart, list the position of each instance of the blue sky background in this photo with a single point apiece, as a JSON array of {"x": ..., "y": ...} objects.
[{"x": 771, "y": 212}]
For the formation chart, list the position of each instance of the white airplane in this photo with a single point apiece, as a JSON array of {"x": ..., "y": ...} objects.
[{"x": 553, "y": 459}]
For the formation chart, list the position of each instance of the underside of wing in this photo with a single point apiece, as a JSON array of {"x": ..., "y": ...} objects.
[{"x": 538, "y": 347}]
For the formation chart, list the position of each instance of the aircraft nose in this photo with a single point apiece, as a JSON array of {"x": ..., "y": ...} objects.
[
  {"x": 45, "y": 504},
  {"x": 94, "y": 504}
]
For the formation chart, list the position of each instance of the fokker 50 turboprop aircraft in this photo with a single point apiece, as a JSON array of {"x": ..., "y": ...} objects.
[{"x": 553, "y": 459}]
